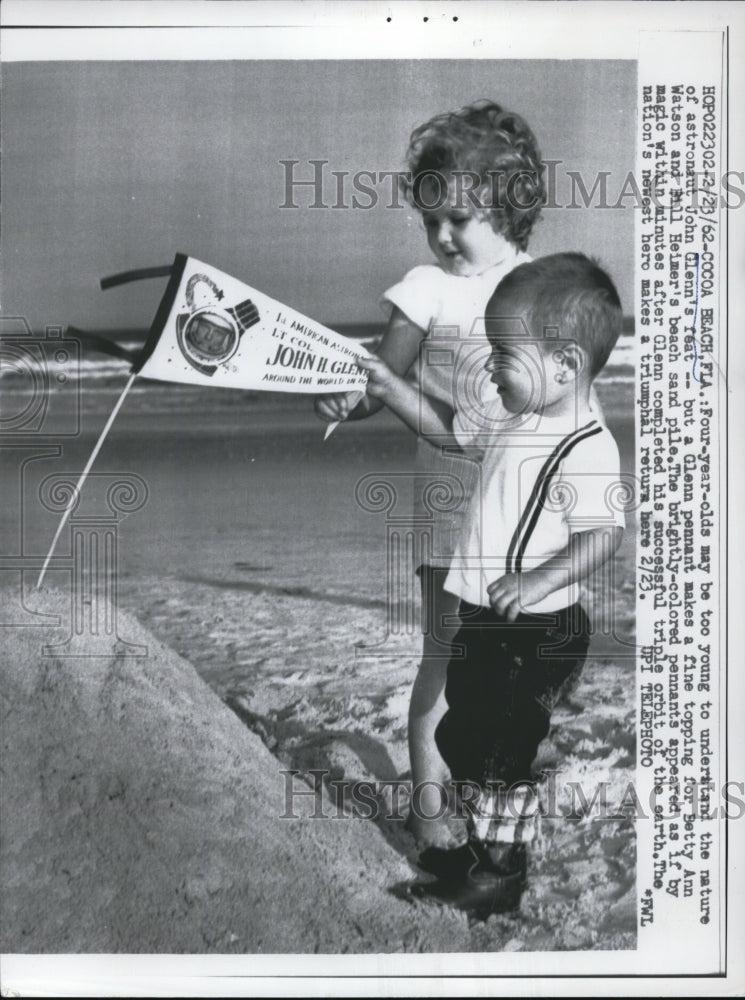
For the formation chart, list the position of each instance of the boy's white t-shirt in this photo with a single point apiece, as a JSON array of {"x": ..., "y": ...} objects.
[
  {"x": 450, "y": 368},
  {"x": 541, "y": 479}
]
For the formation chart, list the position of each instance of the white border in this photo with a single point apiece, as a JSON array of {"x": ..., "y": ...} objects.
[{"x": 341, "y": 30}]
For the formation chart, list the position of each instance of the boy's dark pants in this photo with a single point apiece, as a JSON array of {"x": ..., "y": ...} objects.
[{"x": 501, "y": 694}]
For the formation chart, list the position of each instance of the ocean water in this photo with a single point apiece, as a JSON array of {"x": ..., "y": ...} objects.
[{"x": 31, "y": 364}]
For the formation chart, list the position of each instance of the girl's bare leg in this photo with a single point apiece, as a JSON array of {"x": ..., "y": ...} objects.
[{"x": 426, "y": 708}]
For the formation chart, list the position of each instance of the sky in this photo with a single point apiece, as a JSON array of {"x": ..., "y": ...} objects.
[{"x": 115, "y": 165}]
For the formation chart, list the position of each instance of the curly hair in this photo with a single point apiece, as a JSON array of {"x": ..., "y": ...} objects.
[{"x": 494, "y": 149}]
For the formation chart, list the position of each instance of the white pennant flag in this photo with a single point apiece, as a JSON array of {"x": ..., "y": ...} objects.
[{"x": 211, "y": 329}]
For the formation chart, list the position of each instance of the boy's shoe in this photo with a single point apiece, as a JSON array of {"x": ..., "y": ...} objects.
[
  {"x": 448, "y": 862},
  {"x": 476, "y": 877},
  {"x": 479, "y": 891},
  {"x": 456, "y": 862}
]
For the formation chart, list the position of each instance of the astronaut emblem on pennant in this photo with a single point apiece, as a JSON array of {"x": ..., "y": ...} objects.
[{"x": 209, "y": 334}]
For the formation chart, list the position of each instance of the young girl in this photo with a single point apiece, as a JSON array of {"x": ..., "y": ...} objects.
[{"x": 476, "y": 177}]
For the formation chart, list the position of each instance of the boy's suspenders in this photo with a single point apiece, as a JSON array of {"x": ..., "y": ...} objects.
[{"x": 536, "y": 500}]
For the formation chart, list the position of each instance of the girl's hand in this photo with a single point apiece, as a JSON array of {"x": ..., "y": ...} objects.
[
  {"x": 333, "y": 406},
  {"x": 381, "y": 380}
]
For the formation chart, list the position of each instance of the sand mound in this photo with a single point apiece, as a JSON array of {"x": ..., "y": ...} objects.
[{"x": 141, "y": 815}]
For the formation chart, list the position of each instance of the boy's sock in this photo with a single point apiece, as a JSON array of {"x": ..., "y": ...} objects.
[
  {"x": 498, "y": 815},
  {"x": 501, "y": 815}
]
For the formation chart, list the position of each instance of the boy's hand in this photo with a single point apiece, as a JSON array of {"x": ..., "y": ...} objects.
[
  {"x": 586, "y": 551},
  {"x": 381, "y": 380},
  {"x": 334, "y": 406},
  {"x": 512, "y": 592}
]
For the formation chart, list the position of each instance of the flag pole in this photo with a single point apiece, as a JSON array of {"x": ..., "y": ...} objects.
[{"x": 84, "y": 476}]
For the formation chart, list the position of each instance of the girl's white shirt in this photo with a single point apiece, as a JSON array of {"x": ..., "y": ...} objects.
[{"x": 450, "y": 310}]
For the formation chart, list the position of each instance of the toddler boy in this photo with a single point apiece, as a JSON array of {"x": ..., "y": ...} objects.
[{"x": 542, "y": 522}]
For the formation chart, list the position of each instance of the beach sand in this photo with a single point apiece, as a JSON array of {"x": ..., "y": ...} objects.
[{"x": 253, "y": 561}]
